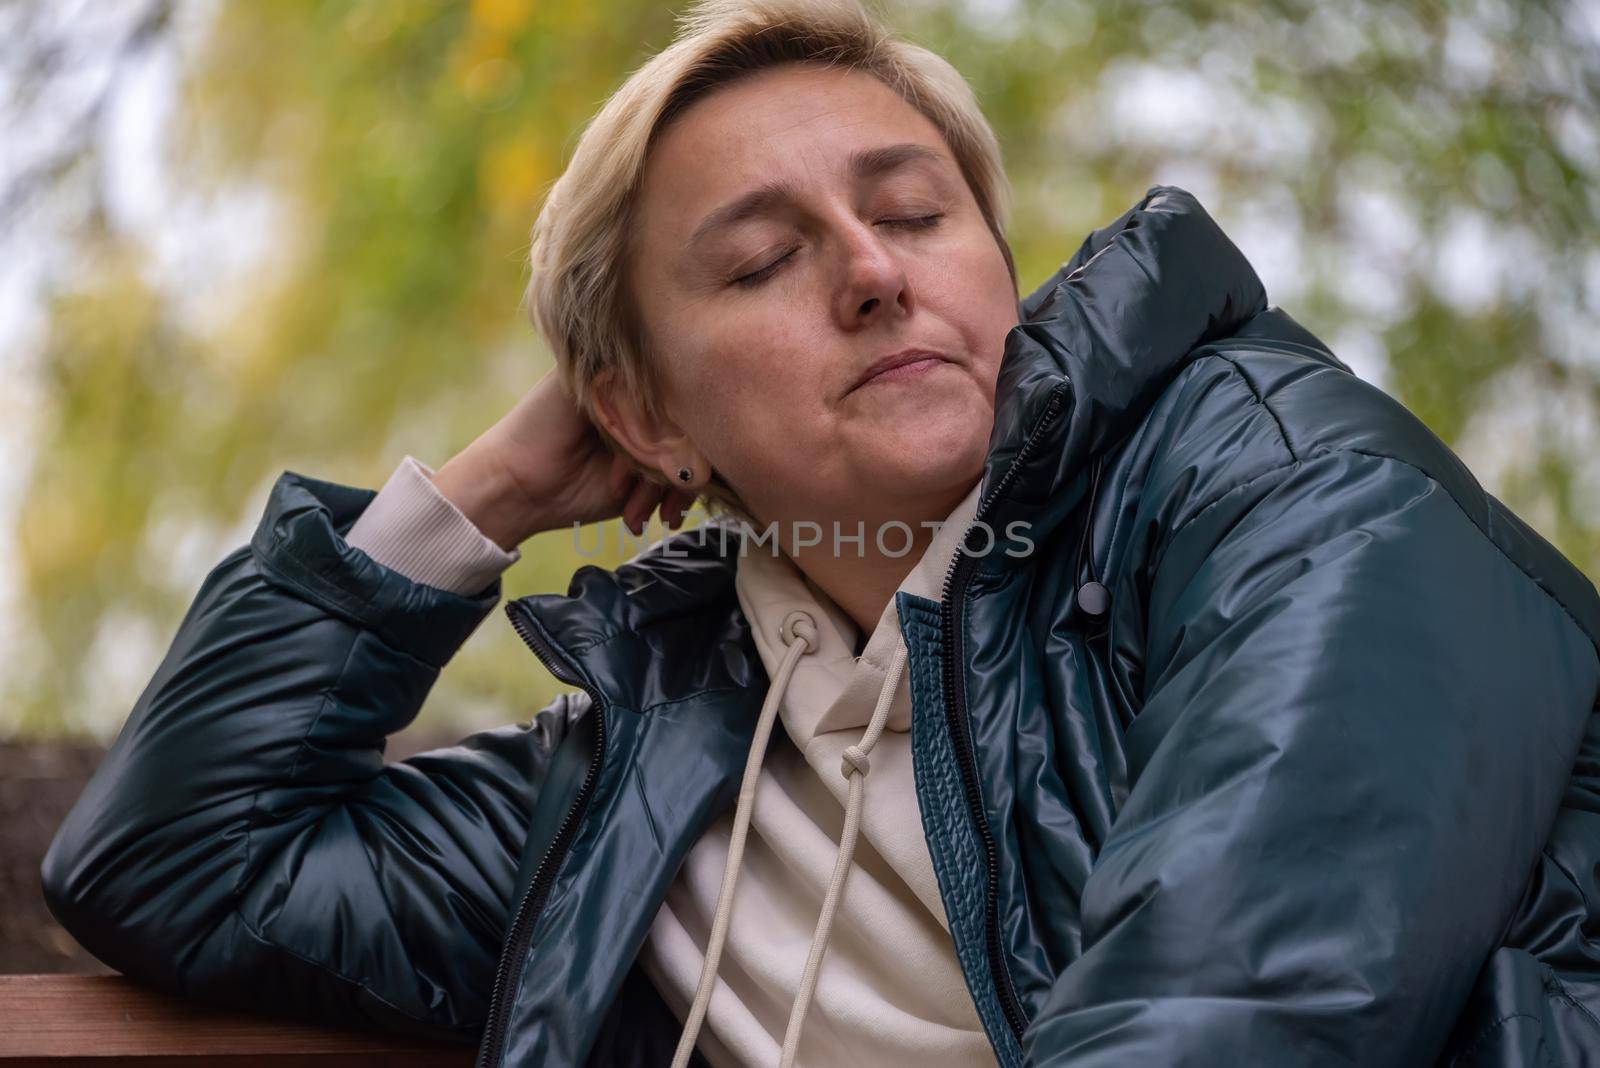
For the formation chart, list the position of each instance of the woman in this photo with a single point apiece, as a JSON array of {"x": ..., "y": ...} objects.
[{"x": 1164, "y": 694}]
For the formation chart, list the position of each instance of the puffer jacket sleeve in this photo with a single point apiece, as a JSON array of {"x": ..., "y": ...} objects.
[
  {"x": 244, "y": 841},
  {"x": 1359, "y": 714}
]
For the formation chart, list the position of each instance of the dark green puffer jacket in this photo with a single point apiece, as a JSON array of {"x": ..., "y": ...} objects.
[{"x": 1320, "y": 785}]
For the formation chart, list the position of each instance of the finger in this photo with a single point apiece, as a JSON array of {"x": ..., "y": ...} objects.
[
  {"x": 677, "y": 503},
  {"x": 641, "y": 502}
]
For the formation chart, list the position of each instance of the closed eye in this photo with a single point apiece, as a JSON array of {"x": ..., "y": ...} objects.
[
  {"x": 755, "y": 278},
  {"x": 921, "y": 222}
]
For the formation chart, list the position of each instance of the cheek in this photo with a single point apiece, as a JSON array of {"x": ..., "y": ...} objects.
[
  {"x": 742, "y": 388},
  {"x": 978, "y": 297},
  {"x": 764, "y": 355}
]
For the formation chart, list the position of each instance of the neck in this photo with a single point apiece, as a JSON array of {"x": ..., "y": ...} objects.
[{"x": 861, "y": 576}]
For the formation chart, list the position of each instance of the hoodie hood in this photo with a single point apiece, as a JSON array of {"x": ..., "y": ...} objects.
[{"x": 769, "y": 586}]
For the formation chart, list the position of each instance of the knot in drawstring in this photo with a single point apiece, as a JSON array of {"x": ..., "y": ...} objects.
[{"x": 855, "y": 759}]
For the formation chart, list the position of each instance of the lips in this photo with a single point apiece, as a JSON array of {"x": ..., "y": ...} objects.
[{"x": 893, "y": 360}]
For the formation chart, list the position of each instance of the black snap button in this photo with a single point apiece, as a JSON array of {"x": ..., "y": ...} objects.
[{"x": 1094, "y": 598}]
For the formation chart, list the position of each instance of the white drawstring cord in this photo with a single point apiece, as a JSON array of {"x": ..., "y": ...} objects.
[
  {"x": 853, "y": 767},
  {"x": 796, "y": 625}
]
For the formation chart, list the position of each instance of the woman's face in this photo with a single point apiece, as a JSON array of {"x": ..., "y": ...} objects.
[{"x": 795, "y": 228}]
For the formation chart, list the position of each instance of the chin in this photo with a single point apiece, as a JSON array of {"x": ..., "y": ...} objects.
[
  {"x": 933, "y": 456},
  {"x": 949, "y": 425}
]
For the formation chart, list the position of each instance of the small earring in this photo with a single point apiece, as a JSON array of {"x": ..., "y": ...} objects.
[{"x": 684, "y": 474}]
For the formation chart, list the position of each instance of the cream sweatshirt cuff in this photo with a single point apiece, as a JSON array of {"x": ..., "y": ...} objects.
[{"x": 416, "y": 530}]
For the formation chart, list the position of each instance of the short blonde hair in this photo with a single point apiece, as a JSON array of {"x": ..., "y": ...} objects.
[{"x": 575, "y": 295}]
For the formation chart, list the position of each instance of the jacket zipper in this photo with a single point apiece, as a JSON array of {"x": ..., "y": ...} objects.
[
  {"x": 955, "y": 585},
  {"x": 527, "y": 912}
]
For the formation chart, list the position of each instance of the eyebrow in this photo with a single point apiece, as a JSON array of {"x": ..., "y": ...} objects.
[{"x": 864, "y": 163}]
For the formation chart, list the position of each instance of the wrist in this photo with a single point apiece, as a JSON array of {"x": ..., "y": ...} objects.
[{"x": 490, "y": 497}]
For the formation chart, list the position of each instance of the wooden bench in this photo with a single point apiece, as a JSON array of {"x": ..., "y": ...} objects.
[{"x": 61, "y": 1020}]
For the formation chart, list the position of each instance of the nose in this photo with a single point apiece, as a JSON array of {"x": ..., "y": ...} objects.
[{"x": 875, "y": 283}]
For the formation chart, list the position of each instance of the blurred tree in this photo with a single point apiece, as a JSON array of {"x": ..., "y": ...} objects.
[{"x": 334, "y": 279}]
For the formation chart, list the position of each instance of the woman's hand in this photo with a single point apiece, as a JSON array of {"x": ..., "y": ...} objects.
[{"x": 543, "y": 466}]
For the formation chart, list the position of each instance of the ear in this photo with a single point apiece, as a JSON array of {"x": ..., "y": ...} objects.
[{"x": 656, "y": 442}]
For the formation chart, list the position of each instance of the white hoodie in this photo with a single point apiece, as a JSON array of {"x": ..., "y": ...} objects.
[{"x": 889, "y": 990}]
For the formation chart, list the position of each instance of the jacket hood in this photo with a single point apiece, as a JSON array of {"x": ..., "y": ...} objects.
[{"x": 1097, "y": 343}]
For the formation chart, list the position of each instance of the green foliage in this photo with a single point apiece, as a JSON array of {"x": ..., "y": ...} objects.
[{"x": 405, "y": 148}]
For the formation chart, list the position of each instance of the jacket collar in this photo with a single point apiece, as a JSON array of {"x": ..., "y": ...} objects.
[{"x": 1097, "y": 343}]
